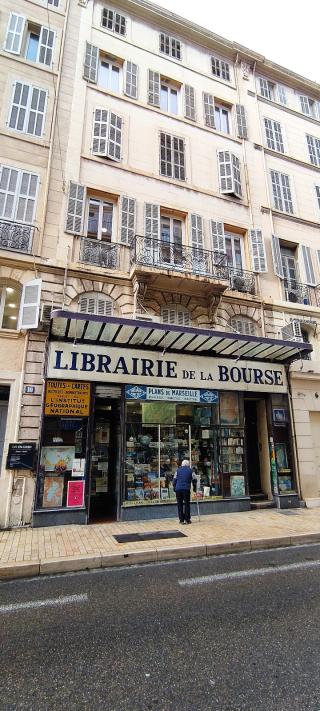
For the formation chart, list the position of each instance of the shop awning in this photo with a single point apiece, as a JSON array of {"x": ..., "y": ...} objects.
[{"x": 88, "y": 329}]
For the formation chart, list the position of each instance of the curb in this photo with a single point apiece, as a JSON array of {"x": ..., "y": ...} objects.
[{"x": 49, "y": 566}]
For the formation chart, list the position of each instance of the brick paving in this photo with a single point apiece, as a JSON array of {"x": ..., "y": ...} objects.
[{"x": 82, "y": 544}]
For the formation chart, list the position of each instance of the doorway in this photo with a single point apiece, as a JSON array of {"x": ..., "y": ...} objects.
[
  {"x": 104, "y": 459},
  {"x": 252, "y": 447}
]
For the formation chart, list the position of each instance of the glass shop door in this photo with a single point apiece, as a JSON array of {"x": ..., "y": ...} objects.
[{"x": 103, "y": 467}]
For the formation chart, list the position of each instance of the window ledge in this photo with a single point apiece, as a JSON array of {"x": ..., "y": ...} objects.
[
  {"x": 288, "y": 216},
  {"x": 20, "y": 136},
  {"x": 288, "y": 109},
  {"x": 26, "y": 62},
  {"x": 8, "y": 333},
  {"x": 46, "y": 7},
  {"x": 285, "y": 156}
]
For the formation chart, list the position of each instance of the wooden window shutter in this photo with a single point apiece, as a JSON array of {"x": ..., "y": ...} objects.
[
  {"x": 26, "y": 197},
  {"x": 208, "y": 105},
  {"x": 152, "y": 220},
  {"x": 100, "y": 132},
  {"x": 196, "y": 229},
  {"x": 14, "y": 34},
  {"x": 258, "y": 252},
  {"x": 128, "y": 219},
  {"x": 91, "y": 60},
  {"x": 241, "y": 121},
  {"x": 30, "y": 305},
  {"x": 217, "y": 235},
  {"x": 154, "y": 88},
  {"x": 308, "y": 265},
  {"x": 190, "y": 102},
  {"x": 114, "y": 137},
  {"x": 76, "y": 206},
  {"x": 131, "y": 80},
  {"x": 225, "y": 172},
  {"x": 46, "y": 43},
  {"x": 276, "y": 256}
]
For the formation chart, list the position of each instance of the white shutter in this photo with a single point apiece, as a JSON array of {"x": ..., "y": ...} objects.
[
  {"x": 225, "y": 172},
  {"x": 292, "y": 331},
  {"x": 258, "y": 252},
  {"x": 152, "y": 220},
  {"x": 241, "y": 121},
  {"x": 308, "y": 265},
  {"x": 30, "y": 305},
  {"x": 104, "y": 307},
  {"x": 128, "y": 219},
  {"x": 14, "y": 34},
  {"x": 217, "y": 235},
  {"x": 276, "y": 256},
  {"x": 75, "y": 210},
  {"x": 114, "y": 137},
  {"x": 168, "y": 315},
  {"x": 8, "y": 188},
  {"x": 131, "y": 80},
  {"x": 208, "y": 105},
  {"x": 90, "y": 68},
  {"x": 196, "y": 228},
  {"x": 236, "y": 175},
  {"x": 37, "y": 110},
  {"x": 46, "y": 43},
  {"x": 189, "y": 102},
  {"x": 26, "y": 197},
  {"x": 100, "y": 132},
  {"x": 153, "y": 88},
  {"x": 19, "y": 106}
]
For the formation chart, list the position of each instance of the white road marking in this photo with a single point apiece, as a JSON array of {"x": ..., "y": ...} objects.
[
  {"x": 50, "y": 602},
  {"x": 249, "y": 573}
]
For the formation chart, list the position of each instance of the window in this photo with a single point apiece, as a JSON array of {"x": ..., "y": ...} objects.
[
  {"x": 113, "y": 21},
  {"x": 229, "y": 174},
  {"x": 234, "y": 250},
  {"x": 282, "y": 94},
  {"x": 170, "y": 46},
  {"x": 55, "y": 3},
  {"x": 169, "y": 98},
  {"x": 9, "y": 306},
  {"x": 208, "y": 103},
  {"x": 222, "y": 118},
  {"x": 220, "y": 69},
  {"x": 314, "y": 149},
  {"x": 274, "y": 135},
  {"x": 308, "y": 106},
  {"x": 18, "y": 192},
  {"x": 28, "y": 108},
  {"x": 99, "y": 219},
  {"x": 244, "y": 325},
  {"x": 39, "y": 44},
  {"x": 170, "y": 245},
  {"x": 109, "y": 75},
  {"x": 281, "y": 192},
  {"x": 107, "y": 134},
  {"x": 93, "y": 303},
  {"x": 289, "y": 264},
  {"x": 172, "y": 159},
  {"x": 176, "y": 314},
  {"x": 266, "y": 88},
  {"x": 318, "y": 195}
]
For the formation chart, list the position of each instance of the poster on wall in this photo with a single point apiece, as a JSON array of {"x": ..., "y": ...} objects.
[
  {"x": 75, "y": 493},
  {"x": 229, "y": 409},
  {"x": 52, "y": 491},
  {"x": 57, "y": 459}
]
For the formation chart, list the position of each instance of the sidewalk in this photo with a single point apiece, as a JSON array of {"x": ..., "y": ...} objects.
[{"x": 42, "y": 551}]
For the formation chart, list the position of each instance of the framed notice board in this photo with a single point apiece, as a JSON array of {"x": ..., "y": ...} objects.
[{"x": 21, "y": 455}]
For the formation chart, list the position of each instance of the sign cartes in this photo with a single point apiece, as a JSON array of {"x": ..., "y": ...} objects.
[
  {"x": 21, "y": 455},
  {"x": 67, "y": 398}
]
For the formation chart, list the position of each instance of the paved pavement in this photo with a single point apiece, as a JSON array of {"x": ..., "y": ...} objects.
[{"x": 29, "y": 552}]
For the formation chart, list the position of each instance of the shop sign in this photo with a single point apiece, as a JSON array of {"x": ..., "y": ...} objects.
[
  {"x": 127, "y": 365},
  {"x": 21, "y": 455},
  {"x": 142, "y": 392},
  {"x": 66, "y": 398}
]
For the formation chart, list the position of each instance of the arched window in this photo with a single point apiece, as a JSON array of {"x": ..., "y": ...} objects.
[
  {"x": 176, "y": 314},
  {"x": 244, "y": 325},
  {"x": 10, "y": 296},
  {"x": 95, "y": 303}
]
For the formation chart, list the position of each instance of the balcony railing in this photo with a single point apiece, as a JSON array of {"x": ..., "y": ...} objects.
[
  {"x": 15, "y": 236},
  {"x": 146, "y": 251},
  {"x": 99, "y": 253},
  {"x": 299, "y": 293},
  {"x": 242, "y": 280}
]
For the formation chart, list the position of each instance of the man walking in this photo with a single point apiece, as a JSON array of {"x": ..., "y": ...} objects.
[{"x": 181, "y": 484}]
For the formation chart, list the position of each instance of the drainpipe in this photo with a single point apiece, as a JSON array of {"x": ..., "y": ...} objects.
[{"x": 295, "y": 445}]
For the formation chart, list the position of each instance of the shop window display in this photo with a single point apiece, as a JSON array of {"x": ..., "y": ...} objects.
[{"x": 282, "y": 447}]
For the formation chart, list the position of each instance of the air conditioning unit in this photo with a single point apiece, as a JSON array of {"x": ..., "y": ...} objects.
[
  {"x": 238, "y": 282},
  {"x": 150, "y": 318},
  {"x": 292, "y": 331},
  {"x": 45, "y": 314}
]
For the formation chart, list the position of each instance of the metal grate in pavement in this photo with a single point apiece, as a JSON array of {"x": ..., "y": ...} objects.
[{"x": 150, "y": 536}]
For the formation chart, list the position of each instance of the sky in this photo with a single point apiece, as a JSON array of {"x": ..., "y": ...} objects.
[{"x": 284, "y": 31}]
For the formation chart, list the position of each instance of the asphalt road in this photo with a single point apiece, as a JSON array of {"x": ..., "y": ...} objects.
[{"x": 145, "y": 639}]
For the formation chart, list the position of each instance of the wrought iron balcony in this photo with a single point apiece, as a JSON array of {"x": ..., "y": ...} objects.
[
  {"x": 15, "y": 236},
  {"x": 242, "y": 280},
  {"x": 101, "y": 254},
  {"x": 298, "y": 293},
  {"x": 146, "y": 251}
]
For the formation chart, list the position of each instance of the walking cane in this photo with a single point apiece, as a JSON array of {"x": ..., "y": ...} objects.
[{"x": 198, "y": 507}]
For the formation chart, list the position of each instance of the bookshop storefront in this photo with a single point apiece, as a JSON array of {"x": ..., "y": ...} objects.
[{"x": 118, "y": 419}]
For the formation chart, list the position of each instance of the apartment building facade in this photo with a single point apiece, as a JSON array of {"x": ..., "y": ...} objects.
[{"x": 160, "y": 262}]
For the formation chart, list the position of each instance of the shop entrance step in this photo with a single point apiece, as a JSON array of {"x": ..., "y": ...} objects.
[
  {"x": 150, "y": 536},
  {"x": 262, "y": 504}
]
